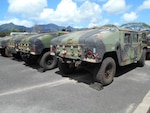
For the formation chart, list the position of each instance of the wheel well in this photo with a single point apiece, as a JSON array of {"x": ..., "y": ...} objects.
[
  {"x": 145, "y": 48},
  {"x": 45, "y": 50},
  {"x": 113, "y": 55}
]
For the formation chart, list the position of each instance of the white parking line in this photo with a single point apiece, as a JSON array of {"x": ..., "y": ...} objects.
[
  {"x": 51, "y": 84},
  {"x": 147, "y": 63},
  {"x": 144, "y": 106},
  {"x": 130, "y": 108}
]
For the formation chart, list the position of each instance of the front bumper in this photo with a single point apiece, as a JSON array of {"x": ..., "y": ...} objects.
[{"x": 76, "y": 52}]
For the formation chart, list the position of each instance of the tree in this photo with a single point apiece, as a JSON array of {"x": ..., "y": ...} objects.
[
  {"x": 37, "y": 29},
  {"x": 136, "y": 26},
  {"x": 3, "y": 34}
]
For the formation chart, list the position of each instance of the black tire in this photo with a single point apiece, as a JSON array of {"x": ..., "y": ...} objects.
[
  {"x": 7, "y": 52},
  {"x": 66, "y": 68},
  {"x": 48, "y": 61},
  {"x": 16, "y": 56},
  {"x": 3, "y": 52},
  {"x": 106, "y": 71},
  {"x": 141, "y": 62}
]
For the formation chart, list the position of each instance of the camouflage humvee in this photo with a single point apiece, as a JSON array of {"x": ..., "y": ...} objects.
[
  {"x": 148, "y": 43},
  {"x": 35, "y": 49},
  {"x": 13, "y": 44},
  {"x": 3, "y": 46},
  {"x": 99, "y": 50},
  {"x": 146, "y": 40},
  {"x": 146, "y": 35}
]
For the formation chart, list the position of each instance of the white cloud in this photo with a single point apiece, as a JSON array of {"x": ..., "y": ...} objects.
[
  {"x": 90, "y": 0},
  {"x": 67, "y": 13},
  {"x": 145, "y": 5},
  {"x": 80, "y": 0},
  {"x": 26, "y": 7},
  {"x": 89, "y": 11},
  {"x": 18, "y": 22},
  {"x": 116, "y": 23},
  {"x": 115, "y": 6},
  {"x": 101, "y": 22},
  {"x": 129, "y": 17}
]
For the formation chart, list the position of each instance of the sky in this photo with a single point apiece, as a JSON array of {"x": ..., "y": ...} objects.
[{"x": 75, "y": 13}]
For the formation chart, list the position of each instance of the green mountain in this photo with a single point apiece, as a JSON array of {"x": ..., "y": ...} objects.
[
  {"x": 11, "y": 26},
  {"x": 43, "y": 28}
]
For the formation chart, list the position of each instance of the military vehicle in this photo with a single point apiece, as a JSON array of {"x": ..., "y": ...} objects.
[
  {"x": 35, "y": 49},
  {"x": 101, "y": 51},
  {"x": 146, "y": 35},
  {"x": 146, "y": 40},
  {"x": 13, "y": 44},
  {"x": 3, "y": 46},
  {"x": 148, "y": 43}
]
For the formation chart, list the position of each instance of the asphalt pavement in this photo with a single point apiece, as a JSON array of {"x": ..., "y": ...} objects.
[{"x": 23, "y": 89}]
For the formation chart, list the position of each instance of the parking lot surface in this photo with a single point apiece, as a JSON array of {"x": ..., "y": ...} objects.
[{"x": 23, "y": 89}]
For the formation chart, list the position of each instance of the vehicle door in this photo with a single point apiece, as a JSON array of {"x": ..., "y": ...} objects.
[
  {"x": 126, "y": 50},
  {"x": 135, "y": 47}
]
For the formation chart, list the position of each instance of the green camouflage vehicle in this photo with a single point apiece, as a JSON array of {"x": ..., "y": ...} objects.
[
  {"x": 13, "y": 44},
  {"x": 3, "y": 46},
  {"x": 147, "y": 39},
  {"x": 35, "y": 49},
  {"x": 99, "y": 50},
  {"x": 148, "y": 43}
]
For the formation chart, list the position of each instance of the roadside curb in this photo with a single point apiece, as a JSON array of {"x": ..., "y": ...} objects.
[{"x": 144, "y": 106}]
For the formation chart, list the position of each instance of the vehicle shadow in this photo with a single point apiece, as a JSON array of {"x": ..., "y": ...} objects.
[
  {"x": 148, "y": 56},
  {"x": 34, "y": 66},
  {"x": 125, "y": 69},
  {"x": 80, "y": 75},
  {"x": 17, "y": 59},
  {"x": 84, "y": 76}
]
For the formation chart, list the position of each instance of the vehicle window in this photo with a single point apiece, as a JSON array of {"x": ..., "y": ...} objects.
[
  {"x": 127, "y": 38},
  {"x": 148, "y": 38},
  {"x": 135, "y": 37},
  {"x": 144, "y": 36}
]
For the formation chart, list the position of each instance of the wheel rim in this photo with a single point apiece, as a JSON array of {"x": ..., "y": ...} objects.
[
  {"x": 49, "y": 60},
  {"x": 108, "y": 71}
]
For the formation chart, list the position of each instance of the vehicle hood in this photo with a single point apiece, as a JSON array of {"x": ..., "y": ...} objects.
[
  {"x": 3, "y": 42},
  {"x": 79, "y": 37}
]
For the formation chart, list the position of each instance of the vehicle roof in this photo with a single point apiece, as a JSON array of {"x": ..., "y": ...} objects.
[{"x": 114, "y": 27}]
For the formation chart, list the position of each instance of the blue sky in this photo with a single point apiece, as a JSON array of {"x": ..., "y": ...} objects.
[{"x": 76, "y": 13}]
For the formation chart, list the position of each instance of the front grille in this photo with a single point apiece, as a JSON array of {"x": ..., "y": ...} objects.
[
  {"x": 69, "y": 51},
  {"x": 24, "y": 47},
  {"x": 11, "y": 44}
]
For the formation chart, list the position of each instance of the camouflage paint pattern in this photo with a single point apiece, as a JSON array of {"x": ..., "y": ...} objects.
[
  {"x": 148, "y": 43},
  {"x": 3, "y": 46},
  {"x": 13, "y": 42},
  {"x": 35, "y": 44},
  {"x": 27, "y": 44},
  {"x": 4, "y": 41},
  {"x": 146, "y": 39},
  {"x": 93, "y": 44}
]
